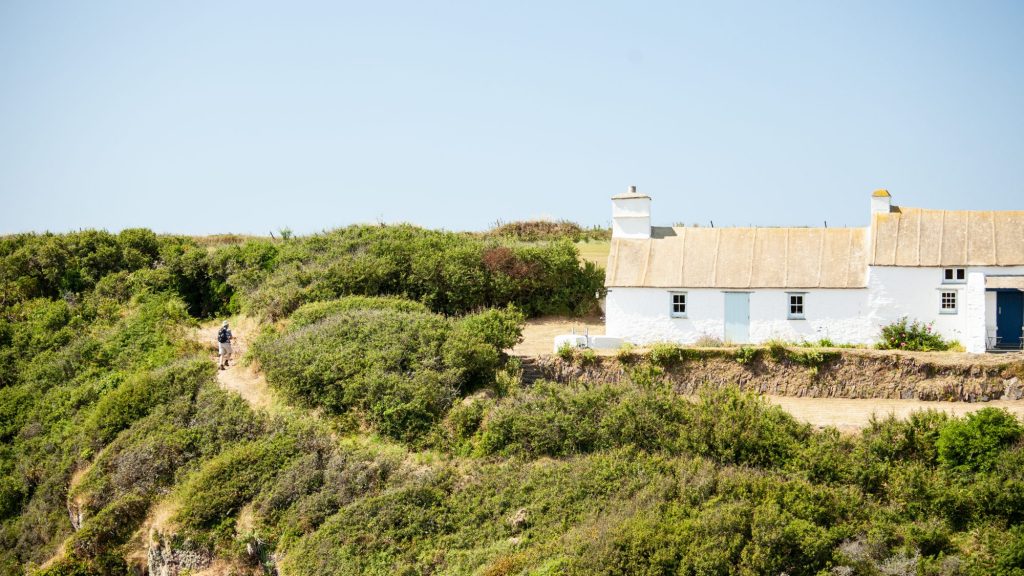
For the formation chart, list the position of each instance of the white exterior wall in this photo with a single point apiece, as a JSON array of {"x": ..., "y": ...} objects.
[
  {"x": 990, "y": 314},
  {"x": 915, "y": 292},
  {"x": 855, "y": 316},
  {"x": 642, "y": 315}
]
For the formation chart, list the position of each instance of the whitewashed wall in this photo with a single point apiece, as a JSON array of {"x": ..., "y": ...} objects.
[
  {"x": 915, "y": 292},
  {"x": 990, "y": 313},
  {"x": 642, "y": 315}
]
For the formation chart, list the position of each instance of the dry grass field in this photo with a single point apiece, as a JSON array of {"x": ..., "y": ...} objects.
[{"x": 595, "y": 251}]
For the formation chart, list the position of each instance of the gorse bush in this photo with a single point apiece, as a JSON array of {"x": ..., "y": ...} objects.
[
  {"x": 217, "y": 491},
  {"x": 428, "y": 454},
  {"x": 401, "y": 370},
  {"x": 559, "y": 420},
  {"x": 973, "y": 444},
  {"x": 316, "y": 311},
  {"x": 448, "y": 272},
  {"x": 544, "y": 230},
  {"x": 906, "y": 335},
  {"x": 739, "y": 428},
  {"x": 117, "y": 265}
]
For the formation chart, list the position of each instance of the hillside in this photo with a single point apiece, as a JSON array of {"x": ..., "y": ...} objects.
[{"x": 377, "y": 425}]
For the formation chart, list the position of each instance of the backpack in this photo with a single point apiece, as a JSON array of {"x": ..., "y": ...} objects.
[{"x": 222, "y": 335}]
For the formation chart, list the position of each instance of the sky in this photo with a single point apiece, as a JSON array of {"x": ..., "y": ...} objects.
[{"x": 250, "y": 117}]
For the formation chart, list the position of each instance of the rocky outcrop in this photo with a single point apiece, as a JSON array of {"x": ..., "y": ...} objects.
[
  {"x": 168, "y": 557},
  {"x": 838, "y": 374}
]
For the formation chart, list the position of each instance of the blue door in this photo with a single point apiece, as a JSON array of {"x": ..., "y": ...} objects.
[
  {"x": 737, "y": 317},
  {"x": 1009, "y": 317}
]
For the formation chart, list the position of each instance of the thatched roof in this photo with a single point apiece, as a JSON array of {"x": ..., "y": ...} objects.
[
  {"x": 737, "y": 258},
  {"x": 919, "y": 237},
  {"x": 741, "y": 258}
]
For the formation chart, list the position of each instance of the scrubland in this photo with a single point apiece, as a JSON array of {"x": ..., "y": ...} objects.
[{"x": 414, "y": 447}]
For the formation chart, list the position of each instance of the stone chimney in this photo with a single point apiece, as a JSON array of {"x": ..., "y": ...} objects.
[
  {"x": 631, "y": 215},
  {"x": 881, "y": 202}
]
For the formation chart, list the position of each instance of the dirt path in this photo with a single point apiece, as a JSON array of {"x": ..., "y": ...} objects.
[
  {"x": 245, "y": 381},
  {"x": 850, "y": 415}
]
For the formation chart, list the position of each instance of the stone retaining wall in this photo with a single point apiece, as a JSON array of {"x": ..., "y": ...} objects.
[{"x": 845, "y": 374}]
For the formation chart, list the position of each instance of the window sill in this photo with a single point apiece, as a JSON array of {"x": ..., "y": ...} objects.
[
  {"x": 949, "y": 312},
  {"x": 677, "y": 315},
  {"x": 794, "y": 317}
]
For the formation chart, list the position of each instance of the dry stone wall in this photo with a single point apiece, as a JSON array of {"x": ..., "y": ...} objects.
[{"x": 845, "y": 374}]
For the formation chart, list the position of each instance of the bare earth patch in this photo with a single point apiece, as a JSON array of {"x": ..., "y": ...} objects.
[
  {"x": 851, "y": 415},
  {"x": 539, "y": 333}
]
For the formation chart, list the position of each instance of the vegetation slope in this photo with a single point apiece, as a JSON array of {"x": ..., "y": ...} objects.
[{"x": 414, "y": 447}]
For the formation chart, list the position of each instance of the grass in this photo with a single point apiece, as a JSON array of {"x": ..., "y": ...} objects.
[{"x": 594, "y": 251}]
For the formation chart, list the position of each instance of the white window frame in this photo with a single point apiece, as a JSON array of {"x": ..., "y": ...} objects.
[
  {"x": 672, "y": 304},
  {"x": 956, "y": 301},
  {"x": 954, "y": 272},
  {"x": 802, "y": 315}
]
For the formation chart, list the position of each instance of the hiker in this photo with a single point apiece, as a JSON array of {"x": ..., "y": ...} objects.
[{"x": 224, "y": 339}]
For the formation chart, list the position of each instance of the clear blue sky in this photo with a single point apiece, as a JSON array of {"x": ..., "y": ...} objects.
[{"x": 204, "y": 117}]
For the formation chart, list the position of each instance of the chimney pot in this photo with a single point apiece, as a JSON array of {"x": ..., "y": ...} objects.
[{"x": 632, "y": 189}]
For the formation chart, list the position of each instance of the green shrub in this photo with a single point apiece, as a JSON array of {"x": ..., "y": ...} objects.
[
  {"x": 107, "y": 565},
  {"x": 465, "y": 418},
  {"x": 890, "y": 440},
  {"x": 316, "y": 311},
  {"x": 12, "y": 493},
  {"x": 219, "y": 489},
  {"x": 975, "y": 442},
  {"x": 664, "y": 354},
  {"x": 542, "y": 230},
  {"x": 740, "y": 428},
  {"x": 449, "y": 273},
  {"x": 814, "y": 359},
  {"x": 476, "y": 346},
  {"x": 110, "y": 528},
  {"x": 134, "y": 398},
  {"x": 906, "y": 335},
  {"x": 331, "y": 363},
  {"x": 403, "y": 370},
  {"x": 626, "y": 354},
  {"x": 650, "y": 420},
  {"x": 747, "y": 354},
  {"x": 406, "y": 407},
  {"x": 502, "y": 329},
  {"x": 566, "y": 352},
  {"x": 547, "y": 419},
  {"x": 645, "y": 375},
  {"x": 777, "y": 349},
  {"x": 559, "y": 420}
]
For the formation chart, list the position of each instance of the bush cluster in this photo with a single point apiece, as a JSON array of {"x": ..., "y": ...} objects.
[
  {"x": 448, "y": 272},
  {"x": 546, "y": 230},
  {"x": 316, "y": 311},
  {"x": 558, "y": 420},
  {"x": 911, "y": 335},
  {"x": 106, "y": 407},
  {"x": 401, "y": 370}
]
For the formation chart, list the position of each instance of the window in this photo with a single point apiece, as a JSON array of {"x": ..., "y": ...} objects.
[
  {"x": 796, "y": 306},
  {"x": 954, "y": 276},
  {"x": 679, "y": 304},
  {"x": 947, "y": 302}
]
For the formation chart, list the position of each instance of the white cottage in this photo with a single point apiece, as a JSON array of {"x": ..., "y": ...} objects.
[{"x": 961, "y": 270}]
